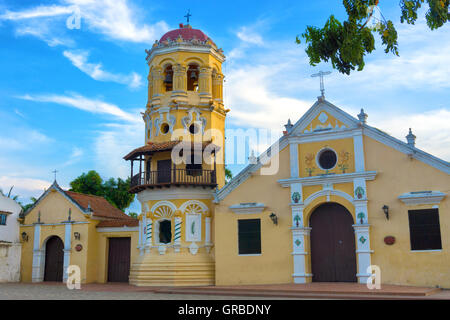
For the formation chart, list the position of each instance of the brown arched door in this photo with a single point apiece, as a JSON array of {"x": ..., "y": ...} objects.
[
  {"x": 333, "y": 257},
  {"x": 54, "y": 259}
]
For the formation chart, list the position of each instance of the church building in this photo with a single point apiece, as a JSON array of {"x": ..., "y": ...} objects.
[
  {"x": 346, "y": 196},
  {"x": 346, "y": 199}
]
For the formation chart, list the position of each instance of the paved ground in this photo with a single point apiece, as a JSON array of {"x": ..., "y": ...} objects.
[
  {"x": 58, "y": 291},
  {"x": 10, "y": 291}
]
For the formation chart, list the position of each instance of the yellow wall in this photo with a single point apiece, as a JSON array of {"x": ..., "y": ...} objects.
[
  {"x": 397, "y": 174},
  {"x": 307, "y": 153},
  {"x": 274, "y": 265},
  {"x": 92, "y": 259}
]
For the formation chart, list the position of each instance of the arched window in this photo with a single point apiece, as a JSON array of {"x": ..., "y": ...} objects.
[
  {"x": 192, "y": 77},
  {"x": 168, "y": 78}
]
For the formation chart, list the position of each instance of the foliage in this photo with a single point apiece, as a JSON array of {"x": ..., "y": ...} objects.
[
  {"x": 115, "y": 191},
  {"x": 133, "y": 215},
  {"x": 346, "y": 43},
  {"x": 228, "y": 175}
]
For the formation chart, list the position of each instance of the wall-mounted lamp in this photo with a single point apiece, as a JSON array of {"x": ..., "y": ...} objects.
[
  {"x": 24, "y": 237},
  {"x": 386, "y": 211},
  {"x": 274, "y": 218},
  {"x": 77, "y": 235}
]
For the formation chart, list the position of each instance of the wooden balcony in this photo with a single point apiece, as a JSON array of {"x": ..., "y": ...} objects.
[{"x": 173, "y": 177}]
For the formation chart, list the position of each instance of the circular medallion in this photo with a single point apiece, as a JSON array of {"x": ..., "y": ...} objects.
[{"x": 389, "y": 240}]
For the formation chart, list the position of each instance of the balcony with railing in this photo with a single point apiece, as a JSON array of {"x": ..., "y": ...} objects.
[{"x": 173, "y": 177}]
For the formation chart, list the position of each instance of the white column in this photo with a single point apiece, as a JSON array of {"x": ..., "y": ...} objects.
[
  {"x": 141, "y": 237},
  {"x": 37, "y": 272},
  {"x": 293, "y": 156},
  {"x": 363, "y": 251},
  {"x": 208, "y": 243},
  {"x": 148, "y": 235},
  {"x": 67, "y": 248},
  {"x": 359, "y": 151},
  {"x": 299, "y": 236},
  {"x": 177, "y": 235}
]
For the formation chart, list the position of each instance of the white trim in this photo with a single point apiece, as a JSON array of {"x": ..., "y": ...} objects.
[
  {"x": 247, "y": 208},
  {"x": 58, "y": 224},
  {"x": 185, "y": 47},
  {"x": 414, "y": 198},
  {"x": 121, "y": 229},
  {"x": 358, "y": 149},
  {"x": 203, "y": 206},
  {"x": 174, "y": 194},
  {"x": 250, "y": 255},
  {"x": 293, "y": 158},
  {"x": 330, "y": 178},
  {"x": 164, "y": 203},
  {"x": 431, "y": 250},
  {"x": 318, "y": 156}
]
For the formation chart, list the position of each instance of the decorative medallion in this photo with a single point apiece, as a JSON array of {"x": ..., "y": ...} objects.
[
  {"x": 362, "y": 239},
  {"x": 323, "y": 117},
  {"x": 361, "y": 217},
  {"x": 296, "y": 197},
  {"x": 389, "y": 240},
  {"x": 298, "y": 242},
  {"x": 359, "y": 192},
  {"x": 78, "y": 247},
  {"x": 297, "y": 220}
]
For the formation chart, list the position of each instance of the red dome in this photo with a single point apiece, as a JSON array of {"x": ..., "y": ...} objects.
[{"x": 186, "y": 33}]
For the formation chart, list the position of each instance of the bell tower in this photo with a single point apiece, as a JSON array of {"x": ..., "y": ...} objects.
[{"x": 181, "y": 163}]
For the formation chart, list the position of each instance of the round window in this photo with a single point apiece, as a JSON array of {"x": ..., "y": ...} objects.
[
  {"x": 193, "y": 128},
  {"x": 327, "y": 159},
  {"x": 165, "y": 128}
]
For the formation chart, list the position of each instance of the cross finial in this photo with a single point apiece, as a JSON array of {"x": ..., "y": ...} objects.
[
  {"x": 188, "y": 16},
  {"x": 321, "y": 74},
  {"x": 55, "y": 172}
]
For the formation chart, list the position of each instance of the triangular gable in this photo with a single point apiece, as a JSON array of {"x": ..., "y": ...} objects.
[
  {"x": 57, "y": 188},
  {"x": 341, "y": 117},
  {"x": 323, "y": 116}
]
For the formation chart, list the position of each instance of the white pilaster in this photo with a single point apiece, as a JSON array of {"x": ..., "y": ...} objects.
[
  {"x": 359, "y": 151},
  {"x": 299, "y": 236},
  {"x": 293, "y": 155},
  {"x": 208, "y": 243},
  {"x": 37, "y": 272},
  {"x": 363, "y": 251},
  {"x": 67, "y": 248}
]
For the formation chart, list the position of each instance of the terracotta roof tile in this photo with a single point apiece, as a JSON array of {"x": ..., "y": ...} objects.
[
  {"x": 99, "y": 205},
  {"x": 152, "y": 147},
  {"x": 118, "y": 223}
]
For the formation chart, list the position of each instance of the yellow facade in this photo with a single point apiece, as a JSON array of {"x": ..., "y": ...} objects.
[{"x": 52, "y": 210}]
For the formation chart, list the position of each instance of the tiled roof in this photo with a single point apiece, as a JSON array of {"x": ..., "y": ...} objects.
[
  {"x": 118, "y": 223},
  {"x": 5, "y": 212},
  {"x": 152, "y": 147},
  {"x": 99, "y": 205},
  {"x": 187, "y": 33}
]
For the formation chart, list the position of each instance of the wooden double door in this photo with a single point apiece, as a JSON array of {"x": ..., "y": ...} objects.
[
  {"x": 119, "y": 259},
  {"x": 333, "y": 256},
  {"x": 54, "y": 259}
]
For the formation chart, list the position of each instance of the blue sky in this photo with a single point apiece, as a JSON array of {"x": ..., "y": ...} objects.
[{"x": 70, "y": 98}]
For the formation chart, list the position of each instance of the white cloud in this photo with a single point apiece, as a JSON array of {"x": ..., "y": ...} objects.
[
  {"x": 74, "y": 157},
  {"x": 248, "y": 35},
  {"x": 80, "y": 102},
  {"x": 116, "y": 19},
  {"x": 95, "y": 70},
  {"x": 431, "y": 128},
  {"x": 113, "y": 143}
]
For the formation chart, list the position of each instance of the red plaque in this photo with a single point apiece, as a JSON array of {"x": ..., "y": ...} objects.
[
  {"x": 389, "y": 240},
  {"x": 78, "y": 247}
]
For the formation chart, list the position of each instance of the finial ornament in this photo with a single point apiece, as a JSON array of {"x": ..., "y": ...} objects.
[
  {"x": 411, "y": 138},
  {"x": 252, "y": 159},
  {"x": 188, "y": 15},
  {"x": 289, "y": 125},
  {"x": 362, "y": 116},
  {"x": 55, "y": 172},
  {"x": 321, "y": 74}
]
